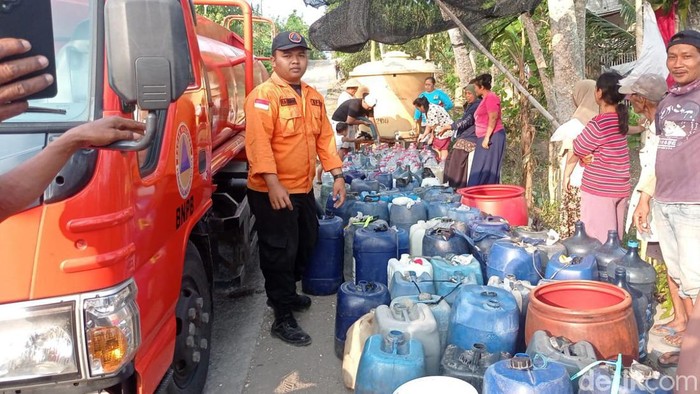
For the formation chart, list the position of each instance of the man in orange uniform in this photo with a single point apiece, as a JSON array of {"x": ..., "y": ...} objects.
[{"x": 286, "y": 128}]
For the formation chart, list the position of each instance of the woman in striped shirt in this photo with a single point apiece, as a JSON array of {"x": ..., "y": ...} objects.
[{"x": 606, "y": 179}]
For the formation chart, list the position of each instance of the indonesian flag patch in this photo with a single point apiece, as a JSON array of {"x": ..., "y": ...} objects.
[{"x": 262, "y": 104}]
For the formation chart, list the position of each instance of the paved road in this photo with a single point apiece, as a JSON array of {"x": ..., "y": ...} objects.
[{"x": 245, "y": 359}]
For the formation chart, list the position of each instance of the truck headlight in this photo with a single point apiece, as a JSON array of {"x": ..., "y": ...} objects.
[
  {"x": 37, "y": 341},
  {"x": 112, "y": 330}
]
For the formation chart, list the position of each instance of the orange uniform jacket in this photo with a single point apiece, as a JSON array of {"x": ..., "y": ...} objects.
[{"x": 285, "y": 133}]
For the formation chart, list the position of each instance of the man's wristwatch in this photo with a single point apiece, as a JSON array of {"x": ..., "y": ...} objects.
[{"x": 338, "y": 176}]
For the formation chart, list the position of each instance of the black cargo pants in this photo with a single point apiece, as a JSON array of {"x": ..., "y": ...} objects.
[{"x": 286, "y": 240}]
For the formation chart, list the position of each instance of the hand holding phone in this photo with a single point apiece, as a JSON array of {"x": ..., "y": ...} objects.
[{"x": 13, "y": 88}]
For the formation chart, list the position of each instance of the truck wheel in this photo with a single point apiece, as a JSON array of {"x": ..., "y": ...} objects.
[{"x": 193, "y": 315}]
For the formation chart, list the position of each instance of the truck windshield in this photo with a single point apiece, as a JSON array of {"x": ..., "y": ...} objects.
[{"x": 75, "y": 38}]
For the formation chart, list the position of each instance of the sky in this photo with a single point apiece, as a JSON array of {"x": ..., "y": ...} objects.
[{"x": 283, "y": 8}]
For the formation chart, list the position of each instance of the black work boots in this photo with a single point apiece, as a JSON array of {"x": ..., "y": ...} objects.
[{"x": 286, "y": 328}]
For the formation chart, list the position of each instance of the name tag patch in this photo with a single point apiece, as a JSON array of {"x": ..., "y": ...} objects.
[
  {"x": 316, "y": 102},
  {"x": 285, "y": 102}
]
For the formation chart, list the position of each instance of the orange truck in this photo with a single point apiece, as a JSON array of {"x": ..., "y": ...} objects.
[{"x": 107, "y": 278}]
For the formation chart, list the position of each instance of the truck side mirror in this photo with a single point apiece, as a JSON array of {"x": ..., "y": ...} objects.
[{"x": 148, "y": 57}]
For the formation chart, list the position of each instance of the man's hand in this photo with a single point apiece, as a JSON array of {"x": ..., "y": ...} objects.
[
  {"x": 641, "y": 215},
  {"x": 104, "y": 132},
  {"x": 279, "y": 196},
  {"x": 13, "y": 91},
  {"x": 339, "y": 192}
]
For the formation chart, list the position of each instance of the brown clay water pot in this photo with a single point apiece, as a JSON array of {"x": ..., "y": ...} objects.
[{"x": 580, "y": 310}]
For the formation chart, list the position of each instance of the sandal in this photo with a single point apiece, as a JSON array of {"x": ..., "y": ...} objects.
[
  {"x": 669, "y": 359},
  {"x": 662, "y": 331},
  {"x": 674, "y": 340}
]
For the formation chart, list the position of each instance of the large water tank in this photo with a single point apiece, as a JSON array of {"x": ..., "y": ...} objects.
[{"x": 396, "y": 81}]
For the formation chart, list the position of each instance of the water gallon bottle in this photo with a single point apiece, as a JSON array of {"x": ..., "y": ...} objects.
[
  {"x": 440, "y": 308},
  {"x": 519, "y": 376},
  {"x": 384, "y": 178},
  {"x": 440, "y": 208},
  {"x": 641, "y": 306},
  {"x": 354, "y": 301},
  {"x": 606, "y": 253},
  {"x": 326, "y": 187},
  {"x": 580, "y": 244},
  {"x": 371, "y": 205},
  {"x": 520, "y": 289},
  {"x": 409, "y": 283},
  {"x": 516, "y": 258},
  {"x": 563, "y": 267},
  {"x": 404, "y": 242},
  {"x": 324, "y": 270},
  {"x": 388, "y": 361},
  {"x": 438, "y": 384},
  {"x": 372, "y": 248},
  {"x": 405, "y": 212},
  {"x": 416, "y": 234},
  {"x": 464, "y": 213},
  {"x": 469, "y": 365},
  {"x": 416, "y": 322},
  {"x": 573, "y": 356},
  {"x": 487, "y": 315},
  {"x": 637, "y": 379},
  {"x": 364, "y": 185},
  {"x": 357, "y": 336},
  {"x": 354, "y": 224},
  {"x": 641, "y": 275},
  {"x": 446, "y": 267},
  {"x": 419, "y": 265},
  {"x": 441, "y": 241}
]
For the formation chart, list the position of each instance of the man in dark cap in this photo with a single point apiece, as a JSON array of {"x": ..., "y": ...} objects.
[
  {"x": 676, "y": 201},
  {"x": 286, "y": 128}
]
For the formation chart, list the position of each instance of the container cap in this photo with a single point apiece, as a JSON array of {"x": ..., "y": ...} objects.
[
  {"x": 632, "y": 244},
  {"x": 521, "y": 362}
]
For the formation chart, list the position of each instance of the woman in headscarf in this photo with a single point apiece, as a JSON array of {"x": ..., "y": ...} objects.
[
  {"x": 586, "y": 109},
  {"x": 457, "y": 163}
]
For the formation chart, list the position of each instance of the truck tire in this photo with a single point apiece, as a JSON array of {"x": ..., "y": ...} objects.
[{"x": 193, "y": 315}]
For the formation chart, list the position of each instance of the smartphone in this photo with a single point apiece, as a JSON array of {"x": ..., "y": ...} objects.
[{"x": 31, "y": 20}]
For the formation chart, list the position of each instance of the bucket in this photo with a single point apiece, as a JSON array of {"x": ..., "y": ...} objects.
[
  {"x": 597, "y": 312},
  {"x": 507, "y": 201},
  {"x": 438, "y": 384}
]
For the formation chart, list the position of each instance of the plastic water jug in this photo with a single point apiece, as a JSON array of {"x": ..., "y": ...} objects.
[
  {"x": 516, "y": 258},
  {"x": 488, "y": 230},
  {"x": 643, "y": 309},
  {"x": 441, "y": 241},
  {"x": 438, "y": 384},
  {"x": 439, "y": 193},
  {"x": 390, "y": 195},
  {"x": 637, "y": 379},
  {"x": 419, "y": 265},
  {"x": 439, "y": 307},
  {"x": 547, "y": 242},
  {"x": 409, "y": 283},
  {"x": 573, "y": 356},
  {"x": 608, "y": 252},
  {"x": 446, "y": 267},
  {"x": 573, "y": 267},
  {"x": 371, "y": 205},
  {"x": 520, "y": 289},
  {"x": 388, "y": 361},
  {"x": 439, "y": 208},
  {"x": 364, "y": 185},
  {"x": 384, "y": 178},
  {"x": 487, "y": 315},
  {"x": 324, "y": 270},
  {"x": 464, "y": 213},
  {"x": 354, "y": 224},
  {"x": 417, "y": 233},
  {"x": 580, "y": 244},
  {"x": 351, "y": 175},
  {"x": 372, "y": 248},
  {"x": 416, "y": 322},
  {"x": 469, "y": 365},
  {"x": 354, "y": 301},
  {"x": 519, "y": 376},
  {"x": 357, "y": 336},
  {"x": 404, "y": 242},
  {"x": 641, "y": 275},
  {"x": 449, "y": 288},
  {"x": 405, "y": 212}
]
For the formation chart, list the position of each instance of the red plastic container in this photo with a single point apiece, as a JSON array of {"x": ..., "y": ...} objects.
[
  {"x": 592, "y": 311},
  {"x": 507, "y": 201}
]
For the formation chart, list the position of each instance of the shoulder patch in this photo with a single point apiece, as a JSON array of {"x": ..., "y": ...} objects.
[
  {"x": 288, "y": 101},
  {"x": 262, "y": 104},
  {"x": 316, "y": 102}
]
